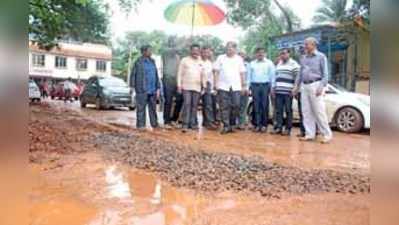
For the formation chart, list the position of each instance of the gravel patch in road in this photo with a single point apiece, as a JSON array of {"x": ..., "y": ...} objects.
[{"x": 213, "y": 172}]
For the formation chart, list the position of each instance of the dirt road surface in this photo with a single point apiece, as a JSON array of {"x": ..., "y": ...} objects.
[{"x": 93, "y": 168}]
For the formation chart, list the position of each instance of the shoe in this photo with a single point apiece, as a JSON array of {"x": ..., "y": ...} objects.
[
  {"x": 241, "y": 127},
  {"x": 226, "y": 130},
  {"x": 184, "y": 130},
  {"x": 168, "y": 126},
  {"x": 301, "y": 135},
  {"x": 276, "y": 131},
  {"x": 326, "y": 140},
  {"x": 263, "y": 130},
  {"x": 141, "y": 129},
  {"x": 257, "y": 130},
  {"x": 194, "y": 127},
  {"x": 306, "y": 139},
  {"x": 211, "y": 126},
  {"x": 286, "y": 133}
]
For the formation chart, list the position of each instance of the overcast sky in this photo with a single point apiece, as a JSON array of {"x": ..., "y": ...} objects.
[{"x": 149, "y": 17}]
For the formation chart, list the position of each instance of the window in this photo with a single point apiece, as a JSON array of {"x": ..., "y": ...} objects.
[
  {"x": 38, "y": 60},
  {"x": 81, "y": 64},
  {"x": 101, "y": 65},
  {"x": 60, "y": 62}
]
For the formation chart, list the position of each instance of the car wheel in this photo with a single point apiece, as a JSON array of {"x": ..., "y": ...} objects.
[
  {"x": 52, "y": 97},
  {"x": 349, "y": 120},
  {"x": 98, "y": 104}
]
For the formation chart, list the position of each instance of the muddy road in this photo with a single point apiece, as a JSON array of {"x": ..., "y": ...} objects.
[{"x": 93, "y": 168}]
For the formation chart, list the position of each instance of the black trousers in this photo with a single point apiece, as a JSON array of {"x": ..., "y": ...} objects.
[
  {"x": 208, "y": 113},
  {"x": 260, "y": 94},
  {"x": 302, "y": 127},
  {"x": 190, "y": 107},
  {"x": 283, "y": 106},
  {"x": 229, "y": 103},
  {"x": 171, "y": 96},
  {"x": 142, "y": 101}
]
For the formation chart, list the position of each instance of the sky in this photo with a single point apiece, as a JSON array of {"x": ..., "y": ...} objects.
[{"x": 149, "y": 17}]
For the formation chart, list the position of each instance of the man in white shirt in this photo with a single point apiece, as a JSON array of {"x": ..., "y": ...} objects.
[{"x": 229, "y": 83}]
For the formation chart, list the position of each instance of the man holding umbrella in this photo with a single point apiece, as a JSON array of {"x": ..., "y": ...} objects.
[{"x": 170, "y": 65}]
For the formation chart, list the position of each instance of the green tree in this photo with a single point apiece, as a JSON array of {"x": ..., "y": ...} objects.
[
  {"x": 214, "y": 42},
  {"x": 261, "y": 21},
  {"x": 360, "y": 8},
  {"x": 129, "y": 47},
  {"x": 331, "y": 11},
  {"x": 78, "y": 20}
]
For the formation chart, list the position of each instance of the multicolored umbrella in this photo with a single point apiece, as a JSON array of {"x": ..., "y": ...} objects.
[{"x": 194, "y": 13}]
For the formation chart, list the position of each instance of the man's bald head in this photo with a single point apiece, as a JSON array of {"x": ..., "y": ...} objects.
[
  {"x": 231, "y": 48},
  {"x": 310, "y": 45}
]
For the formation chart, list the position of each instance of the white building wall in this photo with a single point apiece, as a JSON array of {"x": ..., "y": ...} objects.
[{"x": 50, "y": 71}]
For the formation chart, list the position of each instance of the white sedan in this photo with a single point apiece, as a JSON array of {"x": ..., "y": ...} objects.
[
  {"x": 34, "y": 92},
  {"x": 347, "y": 111}
]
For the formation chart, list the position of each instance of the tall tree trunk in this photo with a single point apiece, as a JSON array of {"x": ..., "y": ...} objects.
[{"x": 286, "y": 15}]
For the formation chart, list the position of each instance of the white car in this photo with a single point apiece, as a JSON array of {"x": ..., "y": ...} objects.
[
  {"x": 34, "y": 92},
  {"x": 347, "y": 111}
]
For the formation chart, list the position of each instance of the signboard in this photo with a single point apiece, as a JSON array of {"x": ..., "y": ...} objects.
[
  {"x": 41, "y": 72},
  {"x": 296, "y": 39}
]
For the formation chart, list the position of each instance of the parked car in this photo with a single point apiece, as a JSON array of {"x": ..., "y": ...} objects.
[
  {"x": 107, "y": 92},
  {"x": 347, "y": 111},
  {"x": 58, "y": 92},
  {"x": 34, "y": 92}
]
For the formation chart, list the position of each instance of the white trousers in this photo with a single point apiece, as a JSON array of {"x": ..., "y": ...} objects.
[{"x": 314, "y": 111}]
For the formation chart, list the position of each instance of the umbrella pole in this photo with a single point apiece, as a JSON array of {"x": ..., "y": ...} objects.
[{"x": 192, "y": 20}]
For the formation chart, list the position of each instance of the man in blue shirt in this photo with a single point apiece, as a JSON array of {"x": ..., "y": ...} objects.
[
  {"x": 313, "y": 79},
  {"x": 261, "y": 78},
  {"x": 144, "y": 79}
]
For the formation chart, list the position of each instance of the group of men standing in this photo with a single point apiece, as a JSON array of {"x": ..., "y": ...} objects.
[{"x": 225, "y": 84}]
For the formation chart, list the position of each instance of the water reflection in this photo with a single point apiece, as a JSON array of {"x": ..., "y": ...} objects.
[
  {"x": 142, "y": 199},
  {"x": 117, "y": 186}
]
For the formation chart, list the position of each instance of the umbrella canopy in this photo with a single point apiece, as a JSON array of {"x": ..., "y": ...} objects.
[{"x": 194, "y": 13}]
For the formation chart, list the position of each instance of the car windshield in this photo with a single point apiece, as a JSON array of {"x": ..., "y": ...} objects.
[{"x": 112, "y": 82}]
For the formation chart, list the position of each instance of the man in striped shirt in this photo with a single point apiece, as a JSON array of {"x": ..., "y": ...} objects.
[{"x": 287, "y": 72}]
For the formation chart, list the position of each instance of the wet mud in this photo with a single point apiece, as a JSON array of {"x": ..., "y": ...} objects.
[{"x": 93, "y": 173}]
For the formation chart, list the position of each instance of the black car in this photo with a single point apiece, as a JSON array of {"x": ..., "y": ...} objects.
[{"x": 107, "y": 92}]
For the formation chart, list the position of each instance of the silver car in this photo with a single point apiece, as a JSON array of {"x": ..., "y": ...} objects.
[{"x": 34, "y": 92}]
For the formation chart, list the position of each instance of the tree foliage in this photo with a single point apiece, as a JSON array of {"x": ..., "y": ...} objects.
[
  {"x": 262, "y": 20},
  {"x": 337, "y": 11},
  {"x": 331, "y": 11},
  {"x": 79, "y": 20},
  {"x": 360, "y": 8},
  {"x": 130, "y": 45}
]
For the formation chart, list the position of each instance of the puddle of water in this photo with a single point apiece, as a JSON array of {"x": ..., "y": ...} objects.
[
  {"x": 89, "y": 191},
  {"x": 117, "y": 186}
]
